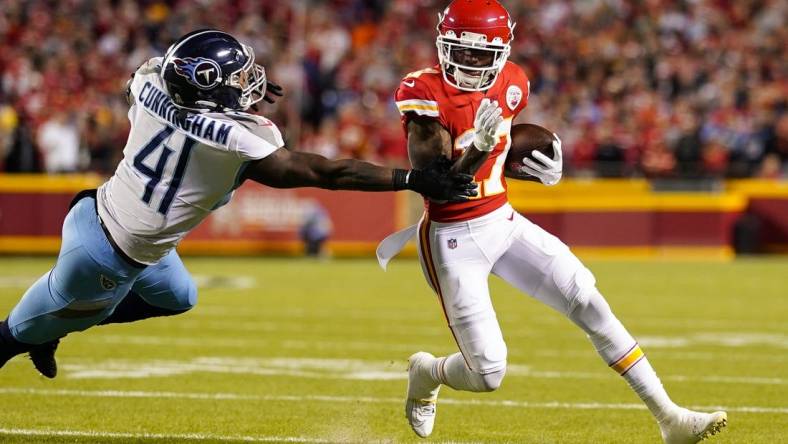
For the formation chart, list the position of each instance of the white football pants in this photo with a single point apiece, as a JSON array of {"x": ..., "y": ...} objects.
[{"x": 458, "y": 257}]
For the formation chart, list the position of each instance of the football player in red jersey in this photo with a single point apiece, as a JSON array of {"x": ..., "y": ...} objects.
[{"x": 463, "y": 108}]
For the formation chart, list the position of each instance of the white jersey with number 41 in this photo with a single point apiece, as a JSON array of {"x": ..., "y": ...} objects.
[{"x": 175, "y": 170}]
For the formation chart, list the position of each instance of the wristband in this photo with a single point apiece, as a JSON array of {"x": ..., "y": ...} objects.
[{"x": 399, "y": 179}]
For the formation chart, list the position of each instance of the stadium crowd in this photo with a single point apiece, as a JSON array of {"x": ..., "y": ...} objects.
[{"x": 653, "y": 88}]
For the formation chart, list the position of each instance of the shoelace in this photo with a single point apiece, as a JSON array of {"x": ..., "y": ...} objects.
[{"x": 427, "y": 409}]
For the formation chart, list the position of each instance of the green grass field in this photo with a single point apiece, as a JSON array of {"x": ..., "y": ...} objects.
[{"x": 286, "y": 350}]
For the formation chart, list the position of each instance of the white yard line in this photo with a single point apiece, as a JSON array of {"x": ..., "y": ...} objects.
[
  {"x": 174, "y": 341},
  {"x": 660, "y": 353},
  {"x": 331, "y": 368},
  {"x": 364, "y": 399},
  {"x": 217, "y": 310},
  {"x": 740, "y": 339},
  {"x": 664, "y": 344},
  {"x": 137, "y": 437},
  {"x": 161, "y": 436},
  {"x": 284, "y": 326},
  {"x": 313, "y": 313}
]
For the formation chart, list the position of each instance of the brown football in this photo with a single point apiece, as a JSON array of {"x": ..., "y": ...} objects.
[{"x": 526, "y": 138}]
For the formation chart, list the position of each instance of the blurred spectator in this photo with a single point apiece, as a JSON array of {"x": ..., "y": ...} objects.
[
  {"x": 17, "y": 137},
  {"x": 688, "y": 145},
  {"x": 610, "y": 154},
  {"x": 658, "y": 88},
  {"x": 58, "y": 139},
  {"x": 777, "y": 142},
  {"x": 315, "y": 230}
]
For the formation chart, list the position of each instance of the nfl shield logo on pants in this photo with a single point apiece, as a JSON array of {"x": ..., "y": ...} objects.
[{"x": 452, "y": 243}]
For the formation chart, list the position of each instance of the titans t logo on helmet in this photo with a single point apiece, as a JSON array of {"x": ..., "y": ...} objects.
[{"x": 199, "y": 71}]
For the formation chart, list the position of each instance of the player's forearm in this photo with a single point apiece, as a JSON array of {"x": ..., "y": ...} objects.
[
  {"x": 470, "y": 161},
  {"x": 427, "y": 140},
  {"x": 292, "y": 169},
  {"x": 357, "y": 175}
]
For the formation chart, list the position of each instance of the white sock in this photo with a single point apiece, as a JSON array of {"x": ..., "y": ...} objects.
[
  {"x": 620, "y": 351},
  {"x": 453, "y": 371},
  {"x": 645, "y": 382}
]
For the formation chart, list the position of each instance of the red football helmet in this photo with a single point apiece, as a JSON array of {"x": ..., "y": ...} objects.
[{"x": 478, "y": 31}]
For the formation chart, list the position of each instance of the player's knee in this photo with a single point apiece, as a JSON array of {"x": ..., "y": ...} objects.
[
  {"x": 183, "y": 295},
  {"x": 583, "y": 287},
  {"x": 188, "y": 295},
  {"x": 493, "y": 368},
  {"x": 592, "y": 312},
  {"x": 491, "y": 381}
]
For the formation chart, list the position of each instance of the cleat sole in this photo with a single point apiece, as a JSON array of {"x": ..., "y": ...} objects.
[{"x": 715, "y": 427}]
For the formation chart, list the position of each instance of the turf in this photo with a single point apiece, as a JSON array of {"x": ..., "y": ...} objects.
[{"x": 286, "y": 348}]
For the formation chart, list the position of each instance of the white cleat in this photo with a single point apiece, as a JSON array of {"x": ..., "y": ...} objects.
[
  {"x": 420, "y": 404},
  {"x": 688, "y": 427}
]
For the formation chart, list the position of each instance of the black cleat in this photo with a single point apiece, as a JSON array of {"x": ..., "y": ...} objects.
[
  {"x": 5, "y": 356},
  {"x": 43, "y": 357},
  {"x": 9, "y": 347}
]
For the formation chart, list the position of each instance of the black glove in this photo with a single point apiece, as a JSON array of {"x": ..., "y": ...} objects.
[
  {"x": 272, "y": 92},
  {"x": 436, "y": 181}
]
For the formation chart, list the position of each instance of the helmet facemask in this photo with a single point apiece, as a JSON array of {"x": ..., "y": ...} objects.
[
  {"x": 250, "y": 79},
  {"x": 465, "y": 77}
]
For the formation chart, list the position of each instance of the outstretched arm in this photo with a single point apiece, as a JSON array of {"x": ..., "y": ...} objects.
[{"x": 291, "y": 169}]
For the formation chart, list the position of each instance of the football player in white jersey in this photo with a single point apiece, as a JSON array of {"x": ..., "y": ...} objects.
[{"x": 191, "y": 144}]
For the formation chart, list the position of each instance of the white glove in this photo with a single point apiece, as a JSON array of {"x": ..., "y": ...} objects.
[
  {"x": 488, "y": 118},
  {"x": 549, "y": 170}
]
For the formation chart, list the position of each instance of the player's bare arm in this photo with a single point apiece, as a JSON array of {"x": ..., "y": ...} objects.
[
  {"x": 290, "y": 169},
  {"x": 427, "y": 139},
  {"x": 471, "y": 160}
]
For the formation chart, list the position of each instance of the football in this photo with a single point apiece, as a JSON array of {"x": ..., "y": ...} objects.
[{"x": 526, "y": 138}]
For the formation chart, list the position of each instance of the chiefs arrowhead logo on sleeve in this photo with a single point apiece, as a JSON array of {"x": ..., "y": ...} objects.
[{"x": 514, "y": 95}]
